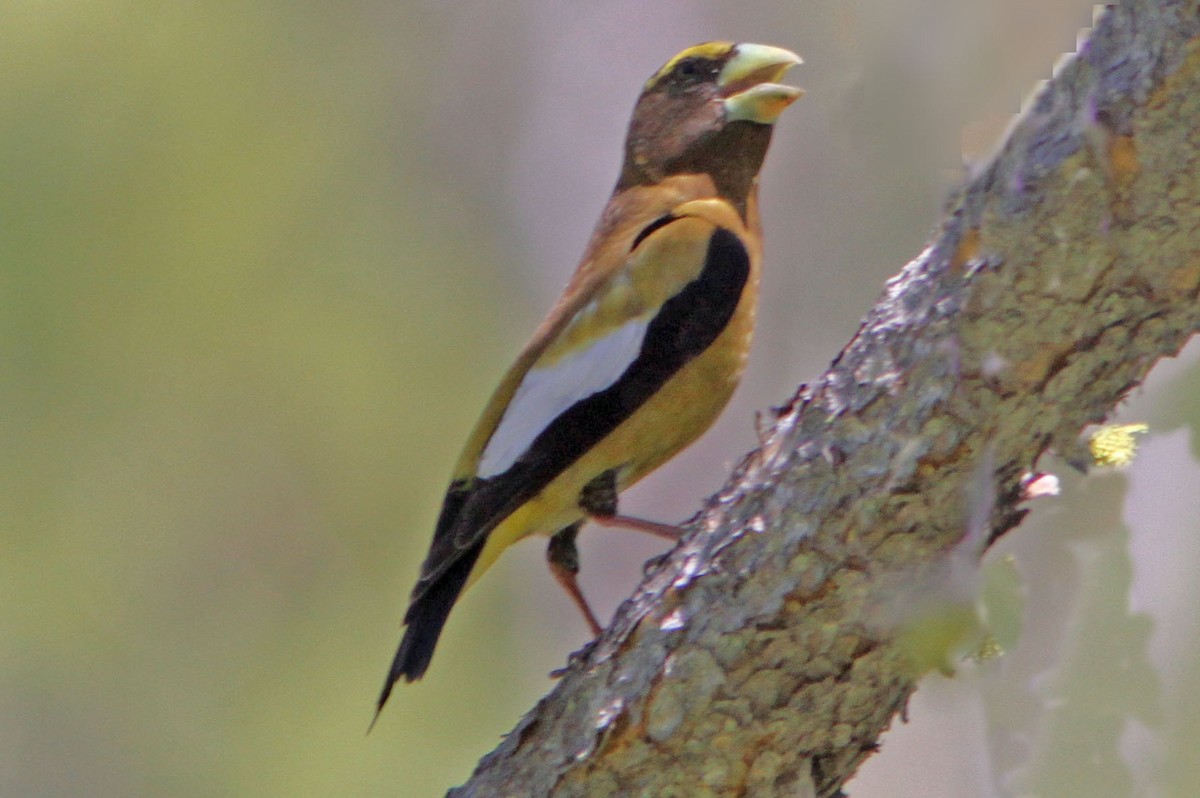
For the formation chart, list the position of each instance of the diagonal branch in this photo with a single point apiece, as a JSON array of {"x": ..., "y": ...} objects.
[{"x": 764, "y": 656}]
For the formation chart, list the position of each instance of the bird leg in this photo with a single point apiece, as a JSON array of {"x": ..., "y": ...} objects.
[
  {"x": 599, "y": 500},
  {"x": 563, "y": 558}
]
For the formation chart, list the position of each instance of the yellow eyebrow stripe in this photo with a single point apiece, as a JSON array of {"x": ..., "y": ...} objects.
[{"x": 713, "y": 50}]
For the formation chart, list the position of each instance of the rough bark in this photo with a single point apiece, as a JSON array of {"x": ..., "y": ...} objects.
[{"x": 764, "y": 656}]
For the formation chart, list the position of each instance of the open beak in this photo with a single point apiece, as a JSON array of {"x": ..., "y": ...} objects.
[{"x": 749, "y": 84}]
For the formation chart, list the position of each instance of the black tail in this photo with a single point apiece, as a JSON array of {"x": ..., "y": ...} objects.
[{"x": 424, "y": 621}]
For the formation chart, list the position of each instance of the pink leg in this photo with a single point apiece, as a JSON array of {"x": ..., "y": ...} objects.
[
  {"x": 563, "y": 558},
  {"x": 668, "y": 531}
]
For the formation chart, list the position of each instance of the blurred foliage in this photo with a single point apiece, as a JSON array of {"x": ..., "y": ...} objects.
[
  {"x": 231, "y": 293},
  {"x": 1103, "y": 679}
]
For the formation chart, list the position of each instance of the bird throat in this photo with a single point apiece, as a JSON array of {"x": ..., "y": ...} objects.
[{"x": 732, "y": 157}]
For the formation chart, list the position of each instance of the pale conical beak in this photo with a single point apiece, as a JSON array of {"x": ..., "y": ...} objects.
[{"x": 748, "y": 83}]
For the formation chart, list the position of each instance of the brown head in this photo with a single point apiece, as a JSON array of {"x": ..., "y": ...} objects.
[{"x": 709, "y": 110}]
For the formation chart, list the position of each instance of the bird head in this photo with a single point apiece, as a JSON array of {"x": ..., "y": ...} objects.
[{"x": 709, "y": 110}]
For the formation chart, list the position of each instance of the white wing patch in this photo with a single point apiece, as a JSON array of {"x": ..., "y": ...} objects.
[{"x": 548, "y": 391}]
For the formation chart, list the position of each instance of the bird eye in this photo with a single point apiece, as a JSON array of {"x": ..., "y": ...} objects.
[{"x": 689, "y": 68}]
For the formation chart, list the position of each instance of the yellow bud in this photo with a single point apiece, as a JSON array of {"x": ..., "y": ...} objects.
[{"x": 1114, "y": 445}]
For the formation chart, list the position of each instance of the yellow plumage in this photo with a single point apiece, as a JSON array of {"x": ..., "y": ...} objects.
[
  {"x": 681, "y": 410},
  {"x": 642, "y": 351}
]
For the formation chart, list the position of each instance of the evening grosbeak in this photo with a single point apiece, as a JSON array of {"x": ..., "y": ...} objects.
[{"x": 642, "y": 351}]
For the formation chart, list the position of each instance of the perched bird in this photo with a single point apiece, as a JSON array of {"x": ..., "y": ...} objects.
[{"x": 641, "y": 352}]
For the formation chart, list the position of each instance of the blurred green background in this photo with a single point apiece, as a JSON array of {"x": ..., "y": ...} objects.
[{"x": 260, "y": 266}]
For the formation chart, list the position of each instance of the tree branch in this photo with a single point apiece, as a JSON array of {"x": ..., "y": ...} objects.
[{"x": 766, "y": 654}]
